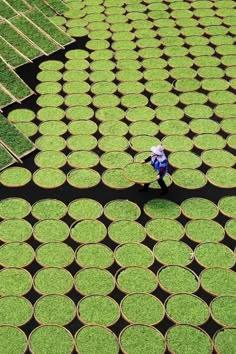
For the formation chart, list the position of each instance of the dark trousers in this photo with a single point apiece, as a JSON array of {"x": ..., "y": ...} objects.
[{"x": 161, "y": 183}]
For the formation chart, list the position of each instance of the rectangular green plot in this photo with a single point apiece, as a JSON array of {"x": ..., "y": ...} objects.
[
  {"x": 6, "y": 158},
  {"x": 13, "y": 138},
  {"x": 12, "y": 82},
  {"x": 58, "y": 6},
  {"x": 5, "y": 10},
  {"x": 47, "y": 26},
  {"x": 19, "y": 5},
  {"x": 42, "y": 7},
  {"x": 9, "y": 54},
  {"x": 17, "y": 41},
  {"x": 35, "y": 35},
  {"x": 5, "y": 99}
]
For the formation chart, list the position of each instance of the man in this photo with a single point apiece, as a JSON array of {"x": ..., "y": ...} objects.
[{"x": 160, "y": 164}]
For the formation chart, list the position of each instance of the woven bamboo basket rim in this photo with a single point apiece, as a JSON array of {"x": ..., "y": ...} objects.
[
  {"x": 133, "y": 222},
  {"x": 49, "y": 168},
  {"x": 184, "y": 152},
  {"x": 118, "y": 122},
  {"x": 92, "y": 268},
  {"x": 51, "y": 152},
  {"x": 99, "y": 326},
  {"x": 197, "y": 219},
  {"x": 88, "y": 244},
  {"x": 110, "y": 185},
  {"x": 192, "y": 295},
  {"x": 19, "y": 330},
  {"x": 91, "y": 296},
  {"x": 71, "y": 93},
  {"x": 198, "y": 328},
  {"x": 88, "y": 136},
  {"x": 143, "y": 325},
  {"x": 102, "y": 148},
  {"x": 117, "y": 273},
  {"x": 49, "y": 295},
  {"x": 108, "y": 152},
  {"x": 4, "y": 183},
  {"x": 58, "y": 221},
  {"x": 55, "y": 268},
  {"x": 189, "y": 270},
  {"x": 145, "y": 294},
  {"x": 214, "y": 243},
  {"x": 123, "y": 244},
  {"x": 62, "y": 140},
  {"x": 22, "y": 243},
  {"x": 186, "y": 138},
  {"x": 82, "y": 121},
  {"x": 199, "y": 198},
  {"x": 212, "y": 312},
  {"x": 85, "y": 199},
  {"x": 26, "y": 301},
  {"x": 24, "y": 271},
  {"x": 213, "y": 268},
  {"x": 182, "y": 243},
  {"x": 190, "y": 188},
  {"x": 97, "y": 105},
  {"x": 53, "y": 243},
  {"x": 122, "y": 200},
  {"x": 204, "y": 148},
  {"x": 211, "y": 165},
  {"x": 51, "y": 200},
  {"x": 165, "y": 219},
  {"x": 83, "y": 187},
  {"x": 15, "y": 218},
  {"x": 219, "y": 185},
  {"x": 83, "y": 151},
  {"x": 133, "y": 180},
  {"x": 87, "y": 219},
  {"x": 215, "y": 336},
  {"x": 227, "y": 231},
  {"x": 48, "y": 325},
  {"x": 174, "y": 122}
]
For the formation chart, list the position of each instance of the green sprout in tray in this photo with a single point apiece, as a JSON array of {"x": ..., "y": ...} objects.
[
  {"x": 176, "y": 279},
  {"x": 13, "y": 340},
  {"x": 222, "y": 310},
  {"x": 114, "y": 178},
  {"x": 85, "y": 208},
  {"x": 49, "y": 209},
  {"x": 170, "y": 252},
  {"x": 83, "y": 178},
  {"x": 134, "y": 254},
  {"x": 51, "y": 231},
  {"x": 202, "y": 230},
  {"x": 122, "y": 210},
  {"x": 218, "y": 281},
  {"x": 15, "y": 310},
  {"x": 214, "y": 255},
  {"x": 94, "y": 255},
  {"x": 14, "y": 208},
  {"x": 8, "y": 230},
  {"x": 54, "y": 254},
  {"x": 50, "y": 159},
  {"x": 125, "y": 231},
  {"x": 94, "y": 281},
  {"x": 164, "y": 229},
  {"x": 15, "y": 281},
  {"x": 53, "y": 281},
  {"x": 140, "y": 173},
  {"x": 199, "y": 208},
  {"x": 86, "y": 231},
  {"x": 16, "y": 254},
  {"x": 136, "y": 279},
  {"x": 224, "y": 340}
]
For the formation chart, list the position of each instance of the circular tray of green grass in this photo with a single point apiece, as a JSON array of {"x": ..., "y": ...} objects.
[
  {"x": 73, "y": 87},
  {"x": 94, "y": 255},
  {"x": 51, "y": 65},
  {"x": 170, "y": 252},
  {"x": 48, "y": 88},
  {"x": 136, "y": 279},
  {"x": 21, "y": 115},
  {"x": 102, "y": 75},
  {"x": 209, "y": 141},
  {"x": 139, "y": 173},
  {"x": 82, "y": 159},
  {"x": 221, "y": 97},
  {"x": 177, "y": 279},
  {"x": 15, "y": 310},
  {"x": 156, "y": 86},
  {"x": 224, "y": 340},
  {"x": 175, "y": 143},
  {"x": 142, "y": 308},
  {"x": 134, "y": 100},
  {"x": 49, "y": 209},
  {"x": 161, "y": 229},
  {"x": 15, "y": 281},
  {"x": 94, "y": 281},
  {"x": 54, "y": 310},
  {"x": 125, "y": 231},
  {"x": 54, "y": 339},
  {"x": 228, "y": 60},
  {"x": 164, "y": 99},
  {"x": 123, "y": 45},
  {"x": 147, "y": 34},
  {"x": 181, "y": 13},
  {"x": 11, "y": 208},
  {"x": 78, "y": 99},
  {"x": 189, "y": 178},
  {"x": 75, "y": 75},
  {"x": 184, "y": 159},
  {"x": 113, "y": 113},
  {"x": 98, "y": 310},
  {"x": 169, "y": 112},
  {"x": 230, "y": 228},
  {"x": 82, "y": 127},
  {"x": 114, "y": 178},
  {"x": 53, "y": 280},
  {"x": 50, "y": 100},
  {"x": 140, "y": 338},
  {"x": 187, "y": 308},
  {"x": 54, "y": 254},
  {"x": 102, "y": 65},
  {"x": 85, "y": 208},
  {"x": 133, "y": 254},
  {"x": 162, "y": 208},
  {"x": 214, "y": 255},
  {"x": 75, "y": 64},
  {"x": 222, "y": 312},
  {"x": 193, "y": 98},
  {"x": 124, "y": 35},
  {"x": 169, "y": 41},
  {"x": 196, "y": 40},
  {"x": 167, "y": 179},
  {"x": 104, "y": 54},
  {"x": 225, "y": 49},
  {"x": 198, "y": 111},
  {"x": 113, "y": 128},
  {"x": 8, "y": 230},
  {"x": 87, "y": 231},
  {"x": 50, "y": 142},
  {"x": 49, "y": 75},
  {"x": 210, "y": 72},
  {"x": 158, "y": 74},
  {"x": 143, "y": 127},
  {"x": 105, "y": 87},
  {"x": 121, "y": 209},
  {"x": 77, "y": 32},
  {"x": 229, "y": 126},
  {"x": 15, "y": 177},
  {"x": 13, "y": 340},
  {"x": 231, "y": 141},
  {"x": 96, "y": 339},
  {"x": 196, "y": 229},
  {"x": 175, "y": 51},
  {"x": 84, "y": 178},
  {"x": 199, "y": 208},
  {"x": 79, "y": 113},
  {"x": 27, "y": 128},
  {"x": 180, "y": 62},
  {"x": 50, "y": 113},
  {"x": 113, "y": 143},
  {"x": 143, "y": 142},
  {"x": 222, "y": 177},
  {"x": 183, "y": 73},
  {"x": 51, "y": 231},
  {"x": 52, "y": 128},
  {"x": 199, "y": 50},
  {"x": 81, "y": 142},
  {"x": 214, "y": 84},
  {"x": 204, "y": 126},
  {"x": 16, "y": 254},
  {"x": 108, "y": 100},
  {"x": 218, "y": 281},
  {"x": 50, "y": 159},
  {"x": 216, "y": 158},
  {"x": 120, "y": 27},
  {"x": 140, "y": 114},
  {"x": 184, "y": 338},
  {"x": 187, "y": 85},
  {"x": 128, "y": 64},
  {"x": 48, "y": 177},
  {"x": 206, "y": 61},
  {"x": 174, "y": 127}
]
